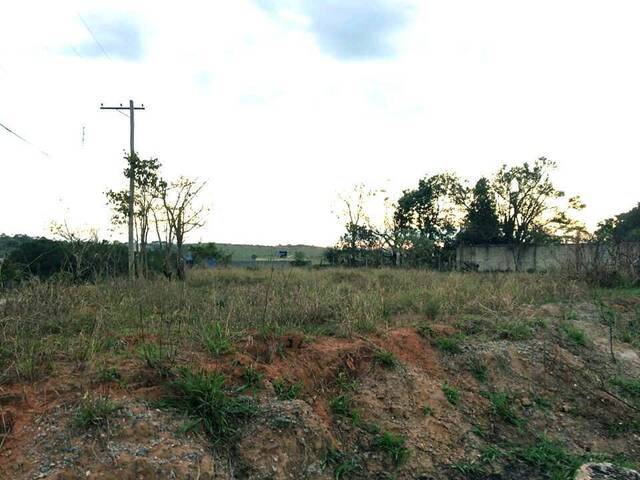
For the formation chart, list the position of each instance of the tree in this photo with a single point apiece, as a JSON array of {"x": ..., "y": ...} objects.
[
  {"x": 182, "y": 214},
  {"x": 358, "y": 234},
  {"x": 430, "y": 216},
  {"x": 148, "y": 188},
  {"x": 201, "y": 252},
  {"x": 624, "y": 227},
  {"x": 79, "y": 247},
  {"x": 531, "y": 209},
  {"x": 481, "y": 224}
]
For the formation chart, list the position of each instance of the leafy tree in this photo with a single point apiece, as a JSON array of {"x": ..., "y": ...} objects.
[
  {"x": 481, "y": 225},
  {"x": 530, "y": 207},
  {"x": 433, "y": 208},
  {"x": 201, "y": 252},
  {"x": 429, "y": 217},
  {"x": 148, "y": 188},
  {"x": 624, "y": 227}
]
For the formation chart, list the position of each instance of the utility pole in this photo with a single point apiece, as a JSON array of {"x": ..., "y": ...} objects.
[{"x": 132, "y": 160}]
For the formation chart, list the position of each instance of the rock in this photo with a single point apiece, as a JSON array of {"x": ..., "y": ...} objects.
[
  {"x": 605, "y": 471},
  {"x": 526, "y": 402}
]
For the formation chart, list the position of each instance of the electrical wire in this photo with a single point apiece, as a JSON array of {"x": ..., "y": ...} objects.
[
  {"x": 24, "y": 140},
  {"x": 104, "y": 52}
]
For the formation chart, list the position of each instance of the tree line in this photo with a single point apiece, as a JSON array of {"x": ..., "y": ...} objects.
[{"x": 518, "y": 206}]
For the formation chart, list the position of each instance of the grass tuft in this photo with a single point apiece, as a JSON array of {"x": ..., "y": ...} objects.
[
  {"x": 393, "y": 445},
  {"x": 95, "y": 413},
  {"x": 203, "y": 397},
  {"x": 386, "y": 359},
  {"x": 452, "y": 394},
  {"x": 576, "y": 335},
  {"x": 286, "y": 390}
]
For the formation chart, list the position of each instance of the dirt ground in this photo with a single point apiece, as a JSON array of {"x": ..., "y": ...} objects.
[{"x": 556, "y": 388}]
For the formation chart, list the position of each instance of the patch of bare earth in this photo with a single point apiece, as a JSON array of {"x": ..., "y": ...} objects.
[{"x": 557, "y": 388}]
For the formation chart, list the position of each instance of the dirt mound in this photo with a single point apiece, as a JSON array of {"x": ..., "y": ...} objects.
[{"x": 387, "y": 405}]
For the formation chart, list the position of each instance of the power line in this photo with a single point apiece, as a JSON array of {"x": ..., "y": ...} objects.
[
  {"x": 94, "y": 37},
  {"x": 24, "y": 140}
]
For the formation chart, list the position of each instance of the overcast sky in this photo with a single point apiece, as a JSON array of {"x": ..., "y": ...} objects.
[{"x": 281, "y": 104}]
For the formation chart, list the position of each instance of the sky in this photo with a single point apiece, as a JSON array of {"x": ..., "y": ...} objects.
[{"x": 281, "y": 105}]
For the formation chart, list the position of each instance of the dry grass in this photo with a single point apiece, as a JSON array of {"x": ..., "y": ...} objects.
[{"x": 42, "y": 324}]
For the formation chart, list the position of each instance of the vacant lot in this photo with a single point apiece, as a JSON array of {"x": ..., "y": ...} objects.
[{"x": 318, "y": 374}]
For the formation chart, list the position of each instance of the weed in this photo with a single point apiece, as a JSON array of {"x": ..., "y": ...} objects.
[
  {"x": 345, "y": 382},
  {"x": 158, "y": 357},
  {"x": 431, "y": 308},
  {"x": 574, "y": 334},
  {"x": 425, "y": 330},
  {"x": 251, "y": 377},
  {"x": 343, "y": 464},
  {"x": 286, "y": 390},
  {"x": 451, "y": 344},
  {"x": 95, "y": 413},
  {"x": 106, "y": 375},
  {"x": 502, "y": 406},
  {"x": 203, "y": 397},
  {"x": 451, "y": 394},
  {"x": 541, "y": 402},
  {"x": 470, "y": 469},
  {"x": 393, "y": 445},
  {"x": 427, "y": 410},
  {"x": 513, "y": 330},
  {"x": 491, "y": 453},
  {"x": 630, "y": 386},
  {"x": 550, "y": 459},
  {"x": 343, "y": 405},
  {"x": 386, "y": 359},
  {"x": 216, "y": 339},
  {"x": 478, "y": 369}
]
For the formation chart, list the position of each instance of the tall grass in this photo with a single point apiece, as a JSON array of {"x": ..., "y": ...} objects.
[{"x": 42, "y": 323}]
